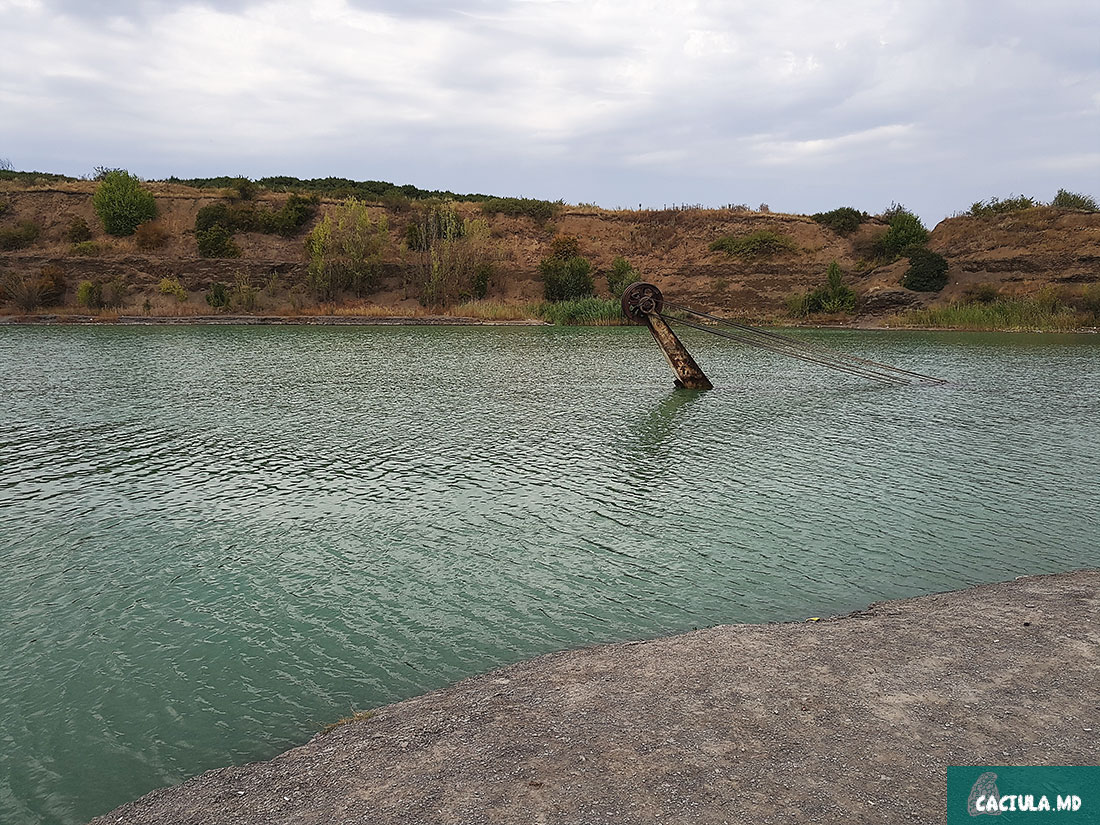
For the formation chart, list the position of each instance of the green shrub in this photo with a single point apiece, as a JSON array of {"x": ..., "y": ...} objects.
[
  {"x": 78, "y": 231},
  {"x": 843, "y": 221},
  {"x": 927, "y": 271},
  {"x": 122, "y": 203},
  {"x": 1072, "y": 200},
  {"x": 483, "y": 275},
  {"x": 997, "y": 206},
  {"x": 86, "y": 249},
  {"x": 345, "y": 251},
  {"x": 151, "y": 235},
  {"x": 172, "y": 286},
  {"x": 583, "y": 311},
  {"x": 564, "y": 247},
  {"x": 5, "y": 207},
  {"x": 516, "y": 207},
  {"x": 242, "y": 188},
  {"x": 834, "y": 296},
  {"x": 20, "y": 236},
  {"x": 218, "y": 296},
  {"x": 760, "y": 244},
  {"x": 904, "y": 233},
  {"x": 621, "y": 276},
  {"x": 564, "y": 280},
  {"x": 294, "y": 214},
  {"x": 217, "y": 242},
  {"x": 213, "y": 214},
  {"x": 216, "y": 223},
  {"x": 89, "y": 294}
]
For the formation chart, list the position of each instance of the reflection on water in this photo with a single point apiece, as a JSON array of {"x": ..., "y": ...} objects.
[
  {"x": 214, "y": 540},
  {"x": 662, "y": 417}
]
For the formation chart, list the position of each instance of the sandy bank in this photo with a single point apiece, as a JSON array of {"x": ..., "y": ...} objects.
[{"x": 851, "y": 719}]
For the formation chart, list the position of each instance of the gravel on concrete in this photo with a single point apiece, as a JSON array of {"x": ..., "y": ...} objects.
[{"x": 849, "y": 719}]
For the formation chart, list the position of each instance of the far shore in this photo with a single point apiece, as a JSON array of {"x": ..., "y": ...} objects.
[{"x": 64, "y": 319}]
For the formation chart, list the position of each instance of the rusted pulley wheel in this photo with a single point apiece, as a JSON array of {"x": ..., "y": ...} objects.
[{"x": 642, "y": 299}]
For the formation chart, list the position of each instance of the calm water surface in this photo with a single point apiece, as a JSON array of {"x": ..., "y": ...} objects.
[{"x": 215, "y": 540}]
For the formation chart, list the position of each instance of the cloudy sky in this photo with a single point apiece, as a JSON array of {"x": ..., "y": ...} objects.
[{"x": 803, "y": 105}]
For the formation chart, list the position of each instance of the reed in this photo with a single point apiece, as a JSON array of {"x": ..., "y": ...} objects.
[
  {"x": 1039, "y": 314},
  {"x": 593, "y": 312}
]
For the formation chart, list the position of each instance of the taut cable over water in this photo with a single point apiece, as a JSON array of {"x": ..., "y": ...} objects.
[{"x": 643, "y": 303}]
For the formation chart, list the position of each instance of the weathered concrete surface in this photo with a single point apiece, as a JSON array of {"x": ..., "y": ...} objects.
[{"x": 852, "y": 719}]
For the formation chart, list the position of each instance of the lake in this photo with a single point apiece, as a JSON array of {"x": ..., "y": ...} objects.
[{"x": 215, "y": 540}]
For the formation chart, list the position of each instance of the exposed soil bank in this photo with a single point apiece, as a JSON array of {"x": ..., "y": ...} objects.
[
  {"x": 851, "y": 719},
  {"x": 1016, "y": 254}
]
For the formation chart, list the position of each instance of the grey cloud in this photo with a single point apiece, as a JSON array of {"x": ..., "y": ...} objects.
[{"x": 948, "y": 103}]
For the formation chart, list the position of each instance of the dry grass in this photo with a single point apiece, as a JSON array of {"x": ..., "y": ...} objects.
[
  {"x": 494, "y": 311},
  {"x": 366, "y": 310}
]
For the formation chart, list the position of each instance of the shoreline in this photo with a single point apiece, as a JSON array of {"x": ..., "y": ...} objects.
[
  {"x": 263, "y": 320},
  {"x": 850, "y": 718},
  {"x": 58, "y": 319}
]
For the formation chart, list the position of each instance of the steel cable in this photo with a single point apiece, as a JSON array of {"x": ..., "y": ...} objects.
[
  {"x": 794, "y": 352},
  {"x": 789, "y": 344}
]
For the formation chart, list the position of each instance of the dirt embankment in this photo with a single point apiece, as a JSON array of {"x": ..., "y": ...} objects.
[
  {"x": 1017, "y": 253},
  {"x": 853, "y": 719}
]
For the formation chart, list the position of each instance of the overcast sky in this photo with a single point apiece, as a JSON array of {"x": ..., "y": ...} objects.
[{"x": 803, "y": 105}]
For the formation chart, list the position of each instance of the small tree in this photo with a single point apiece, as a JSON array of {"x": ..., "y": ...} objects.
[
  {"x": 89, "y": 294},
  {"x": 453, "y": 258},
  {"x": 563, "y": 280},
  {"x": 360, "y": 243},
  {"x": 927, "y": 271},
  {"x": 838, "y": 296},
  {"x": 122, "y": 203},
  {"x": 345, "y": 251},
  {"x": 905, "y": 232},
  {"x": 621, "y": 276}
]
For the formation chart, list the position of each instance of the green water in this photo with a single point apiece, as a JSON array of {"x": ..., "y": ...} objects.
[{"x": 216, "y": 539}]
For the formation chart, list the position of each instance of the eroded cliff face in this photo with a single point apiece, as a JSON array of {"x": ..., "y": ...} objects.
[{"x": 1017, "y": 253}]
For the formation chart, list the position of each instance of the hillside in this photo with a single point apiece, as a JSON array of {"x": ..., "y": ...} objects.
[{"x": 1015, "y": 254}]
